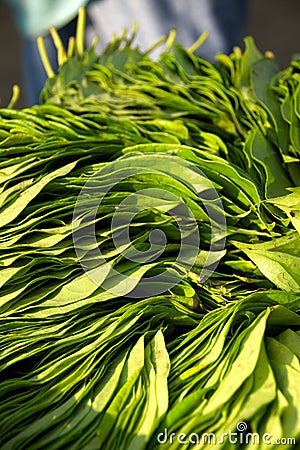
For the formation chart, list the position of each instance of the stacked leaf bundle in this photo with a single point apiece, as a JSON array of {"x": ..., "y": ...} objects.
[{"x": 95, "y": 365}]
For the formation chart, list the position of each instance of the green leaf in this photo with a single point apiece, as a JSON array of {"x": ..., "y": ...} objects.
[
  {"x": 278, "y": 260},
  {"x": 290, "y": 204},
  {"x": 12, "y": 211},
  {"x": 242, "y": 367}
]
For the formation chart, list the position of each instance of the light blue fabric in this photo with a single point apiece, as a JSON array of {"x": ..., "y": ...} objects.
[{"x": 35, "y": 17}]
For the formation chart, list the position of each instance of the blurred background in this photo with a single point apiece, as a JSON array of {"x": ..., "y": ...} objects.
[{"x": 273, "y": 23}]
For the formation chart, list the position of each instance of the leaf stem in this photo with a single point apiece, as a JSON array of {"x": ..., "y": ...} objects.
[
  {"x": 44, "y": 57},
  {"x": 15, "y": 96},
  {"x": 201, "y": 39},
  {"x": 61, "y": 52},
  {"x": 80, "y": 31}
]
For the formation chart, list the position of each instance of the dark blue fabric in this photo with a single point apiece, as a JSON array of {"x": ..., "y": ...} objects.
[{"x": 231, "y": 17}]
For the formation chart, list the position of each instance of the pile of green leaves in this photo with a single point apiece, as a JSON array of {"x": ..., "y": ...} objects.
[{"x": 87, "y": 365}]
